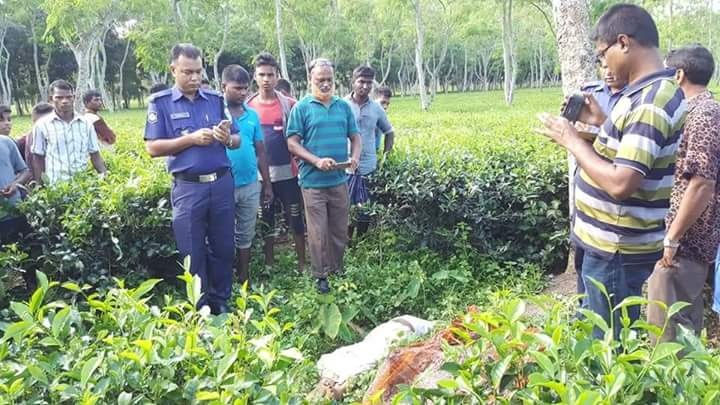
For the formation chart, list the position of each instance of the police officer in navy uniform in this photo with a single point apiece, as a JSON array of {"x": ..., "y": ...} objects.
[{"x": 187, "y": 124}]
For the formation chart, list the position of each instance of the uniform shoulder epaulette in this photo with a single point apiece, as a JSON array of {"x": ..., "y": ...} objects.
[
  {"x": 594, "y": 85},
  {"x": 211, "y": 92},
  {"x": 160, "y": 94}
]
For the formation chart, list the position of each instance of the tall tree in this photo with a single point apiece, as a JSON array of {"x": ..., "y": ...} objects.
[
  {"x": 509, "y": 62},
  {"x": 419, "y": 48},
  {"x": 281, "y": 40},
  {"x": 572, "y": 27},
  {"x": 82, "y": 26},
  {"x": 5, "y": 83}
]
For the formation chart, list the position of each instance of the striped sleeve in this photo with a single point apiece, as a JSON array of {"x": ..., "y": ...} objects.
[
  {"x": 38, "y": 142},
  {"x": 645, "y": 133}
]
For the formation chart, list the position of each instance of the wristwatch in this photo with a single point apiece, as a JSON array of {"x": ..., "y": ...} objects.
[{"x": 669, "y": 243}]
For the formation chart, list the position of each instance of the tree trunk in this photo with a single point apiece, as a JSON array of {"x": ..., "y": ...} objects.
[
  {"x": 281, "y": 42},
  {"x": 5, "y": 83},
  {"x": 122, "y": 67},
  {"x": 572, "y": 22},
  {"x": 101, "y": 57},
  {"x": 419, "y": 65},
  {"x": 508, "y": 52},
  {"x": 221, "y": 49},
  {"x": 465, "y": 69},
  {"x": 449, "y": 73},
  {"x": 41, "y": 76}
]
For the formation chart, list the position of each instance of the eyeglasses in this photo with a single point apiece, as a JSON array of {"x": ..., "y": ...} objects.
[
  {"x": 320, "y": 62},
  {"x": 600, "y": 56}
]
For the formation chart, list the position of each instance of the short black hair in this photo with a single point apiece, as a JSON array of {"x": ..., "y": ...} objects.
[
  {"x": 695, "y": 60},
  {"x": 265, "y": 59},
  {"x": 384, "y": 91},
  {"x": 89, "y": 95},
  {"x": 363, "y": 71},
  {"x": 630, "y": 20},
  {"x": 59, "y": 84},
  {"x": 42, "y": 108},
  {"x": 4, "y": 109},
  {"x": 283, "y": 85},
  {"x": 235, "y": 73},
  {"x": 187, "y": 50},
  {"x": 158, "y": 87},
  {"x": 204, "y": 81}
]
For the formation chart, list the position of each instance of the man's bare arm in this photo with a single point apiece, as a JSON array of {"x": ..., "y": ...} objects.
[
  {"x": 619, "y": 182},
  {"x": 697, "y": 196},
  {"x": 296, "y": 148},
  {"x": 389, "y": 142},
  {"x": 98, "y": 162},
  {"x": 38, "y": 167}
]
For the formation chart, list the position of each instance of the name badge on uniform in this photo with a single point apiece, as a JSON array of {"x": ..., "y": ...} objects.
[{"x": 180, "y": 115}]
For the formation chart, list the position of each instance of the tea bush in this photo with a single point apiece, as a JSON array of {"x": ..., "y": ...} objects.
[
  {"x": 509, "y": 358},
  {"x": 130, "y": 347},
  {"x": 476, "y": 162},
  {"x": 453, "y": 166}
]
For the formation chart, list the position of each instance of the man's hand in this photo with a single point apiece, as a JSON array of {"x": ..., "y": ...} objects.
[
  {"x": 9, "y": 190},
  {"x": 325, "y": 164},
  {"x": 668, "y": 259},
  {"x": 592, "y": 113},
  {"x": 267, "y": 193},
  {"x": 558, "y": 129},
  {"x": 202, "y": 137},
  {"x": 354, "y": 164},
  {"x": 222, "y": 132}
]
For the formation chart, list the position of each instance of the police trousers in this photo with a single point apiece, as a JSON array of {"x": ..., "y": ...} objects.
[{"x": 203, "y": 223}]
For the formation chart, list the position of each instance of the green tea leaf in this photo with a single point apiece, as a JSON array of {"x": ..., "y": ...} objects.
[
  {"x": 207, "y": 396},
  {"x": 666, "y": 349},
  {"x": 331, "y": 318},
  {"x": 595, "y": 319},
  {"x": 143, "y": 288},
  {"x": 225, "y": 364},
  {"x": 544, "y": 362},
  {"x": 499, "y": 370},
  {"x": 89, "y": 368}
]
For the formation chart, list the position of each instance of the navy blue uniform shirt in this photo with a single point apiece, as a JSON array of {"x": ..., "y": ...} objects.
[
  {"x": 603, "y": 95},
  {"x": 171, "y": 115}
]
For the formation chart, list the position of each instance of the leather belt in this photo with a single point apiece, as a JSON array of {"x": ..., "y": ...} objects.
[{"x": 201, "y": 178}]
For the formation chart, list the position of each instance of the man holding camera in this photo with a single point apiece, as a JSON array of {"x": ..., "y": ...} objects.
[{"x": 623, "y": 186}]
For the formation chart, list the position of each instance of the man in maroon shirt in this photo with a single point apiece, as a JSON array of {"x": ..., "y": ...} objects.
[{"x": 93, "y": 104}]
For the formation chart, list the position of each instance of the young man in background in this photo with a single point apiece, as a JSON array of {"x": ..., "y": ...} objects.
[{"x": 246, "y": 161}]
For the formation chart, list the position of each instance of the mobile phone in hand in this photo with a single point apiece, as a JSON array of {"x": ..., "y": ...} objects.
[
  {"x": 343, "y": 165},
  {"x": 573, "y": 107}
]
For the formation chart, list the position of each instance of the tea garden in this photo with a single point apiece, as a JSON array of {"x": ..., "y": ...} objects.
[{"x": 471, "y": 210}]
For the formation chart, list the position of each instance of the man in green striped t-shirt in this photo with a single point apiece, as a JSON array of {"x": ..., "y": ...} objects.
[{"x": 625, "y": 178}]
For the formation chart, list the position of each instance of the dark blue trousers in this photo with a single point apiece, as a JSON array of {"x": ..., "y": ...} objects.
[{"x": 203, "y": 222}]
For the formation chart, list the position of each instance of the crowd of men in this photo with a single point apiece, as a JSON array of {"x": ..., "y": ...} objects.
[
  {"x": 232, "y": 154},
  {"x": 646, "y": 190},
  {"x": 646, "y": 195}
]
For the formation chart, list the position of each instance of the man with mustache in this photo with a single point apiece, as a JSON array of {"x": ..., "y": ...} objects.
[
  {"x": 187, "y": 125},
  {"x": 370, "y": 118},
  {"x": 318, "y": 131}
]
